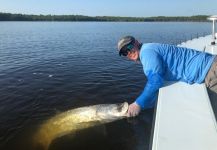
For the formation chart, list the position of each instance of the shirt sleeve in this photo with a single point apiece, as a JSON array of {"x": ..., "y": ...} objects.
[
  {"x": 154, "y": 69},
  {"x": 149, "y": 95}
]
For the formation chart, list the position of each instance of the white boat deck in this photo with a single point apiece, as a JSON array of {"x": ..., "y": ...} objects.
[{"x": 184, "y": 116}]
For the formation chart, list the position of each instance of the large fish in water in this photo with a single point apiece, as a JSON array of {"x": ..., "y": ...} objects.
[{"x": 76, "y": 119}]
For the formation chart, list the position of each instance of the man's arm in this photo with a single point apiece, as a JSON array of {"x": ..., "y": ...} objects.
[
  {"x": 154, "y": 69},
  {"x": 149, "y": 95}
]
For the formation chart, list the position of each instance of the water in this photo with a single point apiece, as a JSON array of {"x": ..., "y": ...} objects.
[{"x": 50, "y": 67}]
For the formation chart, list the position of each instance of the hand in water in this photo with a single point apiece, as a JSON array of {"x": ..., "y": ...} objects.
[{"x": 133, "y": 110}]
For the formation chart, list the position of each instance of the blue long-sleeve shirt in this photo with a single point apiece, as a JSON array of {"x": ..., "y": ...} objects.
[{"x": 169, "y": 62}]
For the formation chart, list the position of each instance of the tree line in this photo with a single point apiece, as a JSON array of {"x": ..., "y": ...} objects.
[{"x": 24, "y": 17}]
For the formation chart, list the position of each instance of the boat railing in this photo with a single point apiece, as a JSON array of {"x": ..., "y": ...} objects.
[{"x": 213, "y": 19}]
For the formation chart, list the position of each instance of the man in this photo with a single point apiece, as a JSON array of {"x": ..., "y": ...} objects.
[{"x": 167, "y": 62}]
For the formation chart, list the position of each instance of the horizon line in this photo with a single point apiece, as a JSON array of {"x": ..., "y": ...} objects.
[{"x": 98, "y": 16}]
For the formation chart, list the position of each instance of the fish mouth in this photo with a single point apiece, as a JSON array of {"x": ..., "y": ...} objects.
[{"x": 122, "y": 108}]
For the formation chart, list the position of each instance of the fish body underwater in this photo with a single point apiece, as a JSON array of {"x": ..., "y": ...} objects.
[{"x": 77, "y": 119}]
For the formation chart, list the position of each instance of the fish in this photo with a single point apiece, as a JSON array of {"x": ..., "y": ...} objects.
[{"x": 77, "y": 119}]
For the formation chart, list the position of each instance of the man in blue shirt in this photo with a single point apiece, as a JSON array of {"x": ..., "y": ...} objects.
[{"x": 166, "y": 62}]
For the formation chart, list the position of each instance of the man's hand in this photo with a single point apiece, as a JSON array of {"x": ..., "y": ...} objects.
[{"x": 133, "y": 110}]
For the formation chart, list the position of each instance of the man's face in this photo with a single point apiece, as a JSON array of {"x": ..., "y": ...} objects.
[{"x": 133, "y": 55}]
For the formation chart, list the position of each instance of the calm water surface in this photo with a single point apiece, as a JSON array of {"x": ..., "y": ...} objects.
[{"x": 50, "y": 67}]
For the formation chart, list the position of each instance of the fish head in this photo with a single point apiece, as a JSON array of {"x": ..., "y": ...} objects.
[
  {"x": 110, "y": 112},
  {"x": 119, "y": 109}
]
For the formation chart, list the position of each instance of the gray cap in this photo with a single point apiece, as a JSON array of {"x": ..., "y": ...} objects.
[{"x": 125, "y": 41}]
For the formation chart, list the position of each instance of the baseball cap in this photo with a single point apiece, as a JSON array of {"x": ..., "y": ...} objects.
[{"x": 124, "y": 41}]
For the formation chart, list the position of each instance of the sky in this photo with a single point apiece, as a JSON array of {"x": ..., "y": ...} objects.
[{"x": 124, "y": 8}]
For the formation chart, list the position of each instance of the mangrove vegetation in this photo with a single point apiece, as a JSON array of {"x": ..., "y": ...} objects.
[{"x": 24, "y": 17}]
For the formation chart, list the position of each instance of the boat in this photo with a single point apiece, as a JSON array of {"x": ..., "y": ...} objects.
[{"x": 184, "y": 117}]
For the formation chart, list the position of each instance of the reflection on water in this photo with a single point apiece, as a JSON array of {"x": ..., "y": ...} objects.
[
  {"x": 51, "y": 67},
  {"x": 98, "y": 137}
]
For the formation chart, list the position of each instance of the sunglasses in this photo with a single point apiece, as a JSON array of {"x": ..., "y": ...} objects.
[{"x": 126, "y": 49}]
